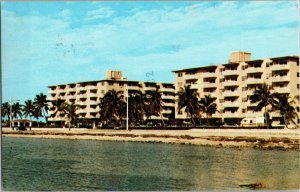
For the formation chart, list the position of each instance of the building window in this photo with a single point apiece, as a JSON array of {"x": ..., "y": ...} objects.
[
  {"x": 298, "y": 74},
  {"x": 221, "y": 100},
  {"x": 244, "y": 78},
  {"x": 298, "y": 86},
  {"x": 103, "y": 91},
  {"x": 102, "y": 83},
  {"x": 179, "y": 74},
  {"x": 243, "y": 110},
  {"x": 298, "y": 109},
  {"x": 110, "y": 83},
  {"x": 179, "y": 112},
  {"x": 244, "y": 99},
  {"x": 244, "y": 88},
  {"x": 121, "y": 84}
]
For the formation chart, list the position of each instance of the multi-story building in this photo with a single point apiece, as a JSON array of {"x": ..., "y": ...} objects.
[
  {"x": 87, "y": 94},
  {"x": 232, "y": 83}
]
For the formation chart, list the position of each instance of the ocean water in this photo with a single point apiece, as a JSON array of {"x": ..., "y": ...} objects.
[{"x": 35, "y": 164}]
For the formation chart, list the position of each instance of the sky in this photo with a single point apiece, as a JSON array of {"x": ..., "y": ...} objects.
[{"x": 49, "y": 43}]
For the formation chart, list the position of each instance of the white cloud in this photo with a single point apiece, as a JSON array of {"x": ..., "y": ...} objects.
[
  {"x": 103, "y": 12},
  {"x": 65, "y": 13}
]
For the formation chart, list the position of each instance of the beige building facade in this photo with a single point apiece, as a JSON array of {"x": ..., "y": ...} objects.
[
  {"x": 232, "y": 83},
  {"x": 87, "y": 94}
]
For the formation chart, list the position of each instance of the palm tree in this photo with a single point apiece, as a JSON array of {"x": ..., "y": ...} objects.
[
  {"x": 16, "y": 110},
  {"x": 71, "y": 115},
  {"x": 5, "y": 110},
  {"x": 58, "y": 106},
  {"x": 112, "y": 106},
  {"x": 264, "y": 97},
  {"x": 137, "y": 107},
  {"x": 28, "y": 109},
  {"x": 208, "y": 106},
  {"x": 154, "y": 103},
  {"x": 188, "y": 99},
  {"x": 41, "y": 104},
  {"x": 285, "y": 106}
]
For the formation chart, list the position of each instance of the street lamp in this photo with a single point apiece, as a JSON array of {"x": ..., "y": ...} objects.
[{"x": 10, "y": 109}]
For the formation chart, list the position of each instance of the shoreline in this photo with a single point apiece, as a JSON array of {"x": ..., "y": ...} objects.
[{"x": 258, "y": 139}]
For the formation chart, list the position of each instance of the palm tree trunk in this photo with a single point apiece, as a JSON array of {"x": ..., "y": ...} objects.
[
  {"x": 207, "y": 119},
  {"x": 266, "y": 117},
  {"x": 285, "y": 121}
]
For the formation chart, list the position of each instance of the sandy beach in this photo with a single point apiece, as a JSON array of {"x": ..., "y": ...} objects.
[{"x": 263, "y": 139}]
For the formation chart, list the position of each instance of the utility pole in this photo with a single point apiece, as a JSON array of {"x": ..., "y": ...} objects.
[{"x": 127, "y": 107}]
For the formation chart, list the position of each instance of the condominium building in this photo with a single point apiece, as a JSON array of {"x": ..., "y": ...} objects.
[
  {"x": 87, "y": 94},
  {"x": 232, "y": 83}
]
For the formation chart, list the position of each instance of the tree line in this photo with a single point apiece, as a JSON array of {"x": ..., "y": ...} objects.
[
  {"x": 264, "y": 96},
  {"x": 36, "y": 108},
  {"x": 112, "y": 106}
]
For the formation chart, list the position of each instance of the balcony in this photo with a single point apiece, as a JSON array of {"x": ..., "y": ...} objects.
[
  {"x": 278, "y": 67},
  {"x": 281, "y": 89},
  {"x": 254, "y": 81},
  {"x": 71, "y": 97},
  {"x": 81, "y": 111},
  {"x": 189, "y": 77},
  {"x": 250, "y": 91},
  {"x": 52, "y": 91},
  {"x": 166, "y": 111},
  {"x": 168, "y": 97},
  {"x": 150, "y": 88},
  {"x": 61, "y": 91},
  {"x": 81, "y": 88},
  {"x": 212, "y": 94},
  {"x": 93, "y": 102},
  {"x": 194, "y": 86},
  {"x": 81, "y": 103},
  {"x": 208, "y": 84},
  {"x": 92, "y": 95},
  {"x": 231, "y": 93},
  {"x": 254, "y": 114},
  {"x": 71, "y": 90},
  {"x": 167, "y": 89},
  {"x": 82, "y": 96},
  {"x": 280, "y": 78},
  {"x": 230, "y": 72},
  {"x": 230, "y": 83},
  {"x": 228, "y": 104},
  {"x": 254, "y": 70},
  {"x": 133, "y": 87},
  {"x": 51, "y": 98},
  {"x": 92, "y": 87},
  {"x": 206, "y": 75},
  {"x": 169, "y": 104},
  {"x": 93, "y": 110},
  {"x": 230, "y": 114}
]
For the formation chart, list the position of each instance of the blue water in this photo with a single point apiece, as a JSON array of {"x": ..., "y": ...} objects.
[{"x": 77, "y": 165}]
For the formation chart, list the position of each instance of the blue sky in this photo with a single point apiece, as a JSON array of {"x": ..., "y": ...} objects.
[{"x": 45, "y": 43}]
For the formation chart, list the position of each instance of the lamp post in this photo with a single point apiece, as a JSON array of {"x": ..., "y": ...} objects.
[
  {"x": 10, "y": 110},
  {"x": 127, "y": 107}
]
